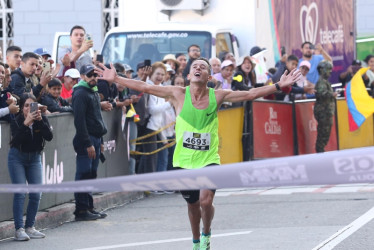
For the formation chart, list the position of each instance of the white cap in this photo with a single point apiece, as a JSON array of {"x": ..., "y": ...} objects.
[
  {"x": 73, "y": 73},
  {"x": 226, "y": 63}
]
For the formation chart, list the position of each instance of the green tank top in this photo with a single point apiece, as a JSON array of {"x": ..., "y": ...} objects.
[{"x": 196, "y": 134}]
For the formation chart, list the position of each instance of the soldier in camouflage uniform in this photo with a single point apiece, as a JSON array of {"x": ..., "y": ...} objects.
[{"x": 324, "y": 109}]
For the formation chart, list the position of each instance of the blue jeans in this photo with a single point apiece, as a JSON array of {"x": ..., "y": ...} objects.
[
  {"x": 25, "y": 167},
  {"x": 86, "y": 169},
  {"x": 133, "y": 130}
]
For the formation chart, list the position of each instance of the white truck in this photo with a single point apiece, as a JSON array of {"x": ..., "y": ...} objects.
[
  {"x": 132, "y": 46},
  {"x": 151, "y": 29}
]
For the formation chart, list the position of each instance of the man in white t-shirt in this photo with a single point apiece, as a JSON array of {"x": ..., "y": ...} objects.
[{"x": 78, "y": 54}]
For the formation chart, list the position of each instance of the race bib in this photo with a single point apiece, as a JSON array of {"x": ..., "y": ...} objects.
[{"x": 196, "y": 141}]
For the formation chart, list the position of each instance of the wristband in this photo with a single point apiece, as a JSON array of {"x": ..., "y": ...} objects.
[{"x": 277, "y": 86}]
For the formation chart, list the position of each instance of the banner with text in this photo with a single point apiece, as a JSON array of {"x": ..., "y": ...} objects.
[
  {"x": 272, "y": 129},
  {"x": 328, "y": 22},
  {"x": 337, "y": 167}
]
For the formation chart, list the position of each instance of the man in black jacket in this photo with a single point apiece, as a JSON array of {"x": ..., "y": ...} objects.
[
  {"x": 87, "y": 141},
  {"x": 21, "y": 77}
]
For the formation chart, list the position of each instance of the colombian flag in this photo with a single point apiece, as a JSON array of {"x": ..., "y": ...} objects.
[{"x": 360, "y": 104}]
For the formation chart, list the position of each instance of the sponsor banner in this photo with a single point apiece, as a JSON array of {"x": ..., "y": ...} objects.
[
  {"x": 272, "y": 129},
  {"x": 306, "y": 126},
  {"x": 337, "y": 167},
  {"x": 328, "y": 22}
]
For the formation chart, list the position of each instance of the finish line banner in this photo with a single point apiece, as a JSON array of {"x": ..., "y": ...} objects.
[{"x": 337, "y": 167}]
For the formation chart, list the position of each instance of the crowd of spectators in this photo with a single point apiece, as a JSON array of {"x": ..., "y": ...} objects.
[{"x": 52, "y": 84}]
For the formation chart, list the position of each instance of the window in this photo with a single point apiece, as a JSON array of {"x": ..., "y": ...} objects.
[
  {"x": 223, "y": 43},
  {"x": 63, "y": 43}
]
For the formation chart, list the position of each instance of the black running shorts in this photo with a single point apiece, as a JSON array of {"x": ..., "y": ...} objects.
[{"x": 192, "y": 196}]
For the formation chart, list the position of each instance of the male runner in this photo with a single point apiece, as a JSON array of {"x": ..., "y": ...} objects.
[{"x": 196, "y": 129}]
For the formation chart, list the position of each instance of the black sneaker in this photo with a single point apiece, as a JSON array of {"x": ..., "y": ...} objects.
[
  {"x": 85, "y": 216},
  {"x": 102, "y": 215}
]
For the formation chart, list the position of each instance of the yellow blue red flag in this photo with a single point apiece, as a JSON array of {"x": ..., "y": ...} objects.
[{"x": 360, "y": 103}]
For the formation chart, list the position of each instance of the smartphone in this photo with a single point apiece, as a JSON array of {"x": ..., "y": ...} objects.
[
  {"x": 283, "y": 50},
  {"x": 102, "y": 157},
  {"x": 88, "y": 37},
  {"x": 99, "y": 58},
  {"x": 147, "y": 62},
  {"x": 312, "y": 46},
  {"x": 46, "y": 67},
  {"x": 33, "y": 107}
]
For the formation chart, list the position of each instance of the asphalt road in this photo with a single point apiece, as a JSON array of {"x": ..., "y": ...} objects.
[{"x": 285, "y": 218}]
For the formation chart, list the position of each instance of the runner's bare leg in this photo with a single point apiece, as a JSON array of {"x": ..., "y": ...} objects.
[
  {"x": 207, "y": 209},
  {"x": 194, "y": 214}
]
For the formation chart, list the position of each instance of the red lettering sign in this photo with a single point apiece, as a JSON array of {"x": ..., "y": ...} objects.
[{"x": 272, "y": 129}]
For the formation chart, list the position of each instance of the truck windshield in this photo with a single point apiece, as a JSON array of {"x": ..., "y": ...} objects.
[{"x": 134, "y": 47}]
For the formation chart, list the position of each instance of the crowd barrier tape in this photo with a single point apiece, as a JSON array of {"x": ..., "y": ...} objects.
[
  {"x": 150, "y": 142},
  {"x": 336, "y": 167},
  {"x": 170, "y": 142},
  {"x": 153, "y": 152},
  {"x": 153, "y": 133}
]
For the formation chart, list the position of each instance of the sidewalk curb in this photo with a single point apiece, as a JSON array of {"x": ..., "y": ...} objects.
[{"x": 58, "y": 215}]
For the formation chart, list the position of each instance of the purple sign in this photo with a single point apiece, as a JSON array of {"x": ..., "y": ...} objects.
[{"x": 328, "y": 22}]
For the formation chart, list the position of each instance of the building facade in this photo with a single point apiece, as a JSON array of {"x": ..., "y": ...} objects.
[{"x": 32, "y": 24}]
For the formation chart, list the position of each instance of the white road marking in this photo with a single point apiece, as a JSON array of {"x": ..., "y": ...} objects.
[
  {"x": 345, "y": 232},
  {"x": 160, "y": 241}
]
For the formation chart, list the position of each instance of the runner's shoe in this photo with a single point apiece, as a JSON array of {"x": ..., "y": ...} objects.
[
  {"x": 205, "y": 242},
  {"x": 196, "y": 246}
]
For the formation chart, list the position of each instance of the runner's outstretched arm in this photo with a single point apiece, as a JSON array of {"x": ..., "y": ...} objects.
[
  {"x": 254, "y": 93},
  {"x": 110, "y": 75}
]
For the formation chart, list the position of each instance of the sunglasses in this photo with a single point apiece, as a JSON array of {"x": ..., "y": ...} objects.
[{"x": 92, "y": 74}]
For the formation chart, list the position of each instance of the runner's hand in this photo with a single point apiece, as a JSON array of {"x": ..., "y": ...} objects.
[
  {"x": 288, "y": 79},
  {"x": 105, "y": 73}
]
